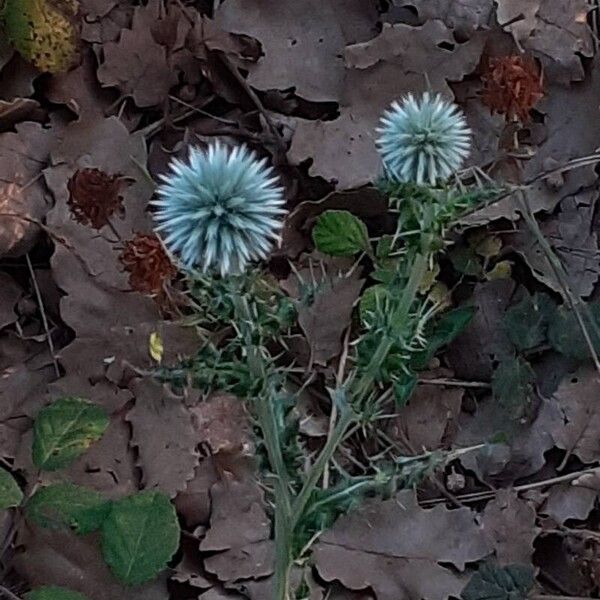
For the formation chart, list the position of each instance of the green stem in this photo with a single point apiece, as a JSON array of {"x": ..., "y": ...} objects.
[
  {"x": 316, "y": 471},
  {"x": 418, "y": 270},
  {"x": 283, "y": 554}
]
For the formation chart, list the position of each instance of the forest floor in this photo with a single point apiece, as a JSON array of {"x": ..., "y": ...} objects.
[{"x": 89, "y": 307}]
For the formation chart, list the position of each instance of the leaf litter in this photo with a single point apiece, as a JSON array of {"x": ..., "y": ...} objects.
[{"x": 80, "y": 152}]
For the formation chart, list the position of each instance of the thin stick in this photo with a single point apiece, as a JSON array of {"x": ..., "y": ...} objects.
[
  {"x": 40, "y": 302},
  {"x": 455, "y": 383},
  {"x": 255, "y": 99},
  {"x": 559, "y": 273},
  {"x": 478, "y": 496},
  {"x": 6, "y": 592}
]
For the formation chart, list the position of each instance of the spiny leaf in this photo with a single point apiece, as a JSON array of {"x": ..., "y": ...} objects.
[
  {"x": 42, "y": 32},
  {"x": 442, "y": 332},
  {"x": 140, "y": 536},
  {"x": 53, "y": 592},
  {"x": 526, "y": 323},
  {"x": 64, "y": 505},
  {"x": 10, "y": 492},
  {"x": 340, "y": 233},
  {"x": 512, "y": 582},
  {"x": 64, "y": 430}
]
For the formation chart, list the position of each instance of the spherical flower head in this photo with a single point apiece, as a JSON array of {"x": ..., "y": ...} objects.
[
  {"x": 220, "y": 209},
  {"x": 423, "y": 140}
]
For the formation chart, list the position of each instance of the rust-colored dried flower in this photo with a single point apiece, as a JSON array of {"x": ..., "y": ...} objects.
[
  {"x": 94, "y": 196},
  {"x": 511, "y": 86},
  {"x": 147, "y": 263}
]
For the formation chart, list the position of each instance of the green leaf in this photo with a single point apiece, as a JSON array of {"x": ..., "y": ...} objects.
[
  {"x": 64, "y": 505},
  {"x": 10, "y": 492},
  {"x": 512, "y": 383},
  {"x": 564, "y": 332},
  {"x": 442, "y": 332},
  {"x": 512, "y": 582},
  {"x": 340, "y": 233},
  {"x": 53, "y": 592},
  {"x": 369, "y": 300},
  {"x": 140, "y": 536},
  {"x": 466, "y": 261},
  {"x": 42, "y": 31},
  {"x": 64, "y": 430},
  {"x": 526, "y": 323},
  {"x": 403, "y": 388}
]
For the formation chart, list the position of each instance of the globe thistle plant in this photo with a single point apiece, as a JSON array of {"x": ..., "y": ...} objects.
[
  {"x": 219, "y": 209},
  {"x": 423, "y": 140}
]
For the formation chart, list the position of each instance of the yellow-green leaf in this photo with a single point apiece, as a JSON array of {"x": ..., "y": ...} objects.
[
  {"x": 155, "y": 346},
  {"x": 42, "y": 31},
  {"x": 64, "y": 430}
]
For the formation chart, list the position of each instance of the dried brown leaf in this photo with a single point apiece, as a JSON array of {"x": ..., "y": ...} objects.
[
  {"x": 50, "y": 557},
  {"x": 326, "y": 315},
  {"x": 395, "y": 547},
  {"x": 240, "y": 529},
  {"x": 577, "y": 397},
  {"x": 509, "y": 524},
  {"x": 163, "y": 433},
  {"x": 377, "y": 72},
  {"x": 302, "y": 43}
]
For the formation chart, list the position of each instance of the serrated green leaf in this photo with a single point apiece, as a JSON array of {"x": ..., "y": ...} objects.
[
  {"x": 42, "y": 32},
  {"x": 512, "y": 582},
  {"x": 64, "y": 430},
  {"x": 564, "y": 332},
  {"x": 512, "y": 383},
  {"x": 53, "y": 592},
  {"x": 442, "y": 332},
  {"x": 140, "y": 536},
  {"x": 64, "y": 505},
  {"x": 10, "y": 492},
  {"x": 340, "y": 233},
  {"x": 369, "y": 299},
  {"x": 526, "y": 323}
]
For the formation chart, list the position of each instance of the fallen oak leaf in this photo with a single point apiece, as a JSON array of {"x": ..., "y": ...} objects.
[
  {"x": 164, "y": 435},
  {"x": 395, "y": 548}
]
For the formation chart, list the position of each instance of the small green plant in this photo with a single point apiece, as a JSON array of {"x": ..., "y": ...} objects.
[{"x": 140, "y": 533}]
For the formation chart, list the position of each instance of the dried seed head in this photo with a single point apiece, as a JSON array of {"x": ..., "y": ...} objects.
[
  {"x": 512, "y": 85},
  {"x": 147, "y": 263},
  {"x": 94, "y": 196}
]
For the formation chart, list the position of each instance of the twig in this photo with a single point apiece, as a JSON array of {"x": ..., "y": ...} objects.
[
  {"x": 455, "y": 383},
  {"x": 560, "y": 275},
  {"x": 478, "y": 496},
  {"x": 40, "y": 302},
  {"x": 255, "y": 99},
  {"x": 6, "y": 592},
  {"x": 554, "y": 597}
]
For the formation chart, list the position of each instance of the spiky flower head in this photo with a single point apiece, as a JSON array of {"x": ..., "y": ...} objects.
[
  {"x": 220, "y": 209},
  {"x": 423, "y": 140}
]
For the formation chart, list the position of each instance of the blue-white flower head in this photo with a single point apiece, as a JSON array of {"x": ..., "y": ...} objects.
[
  {"x": 423, "y": 140},
  {"x": 220, "y": 209}
]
